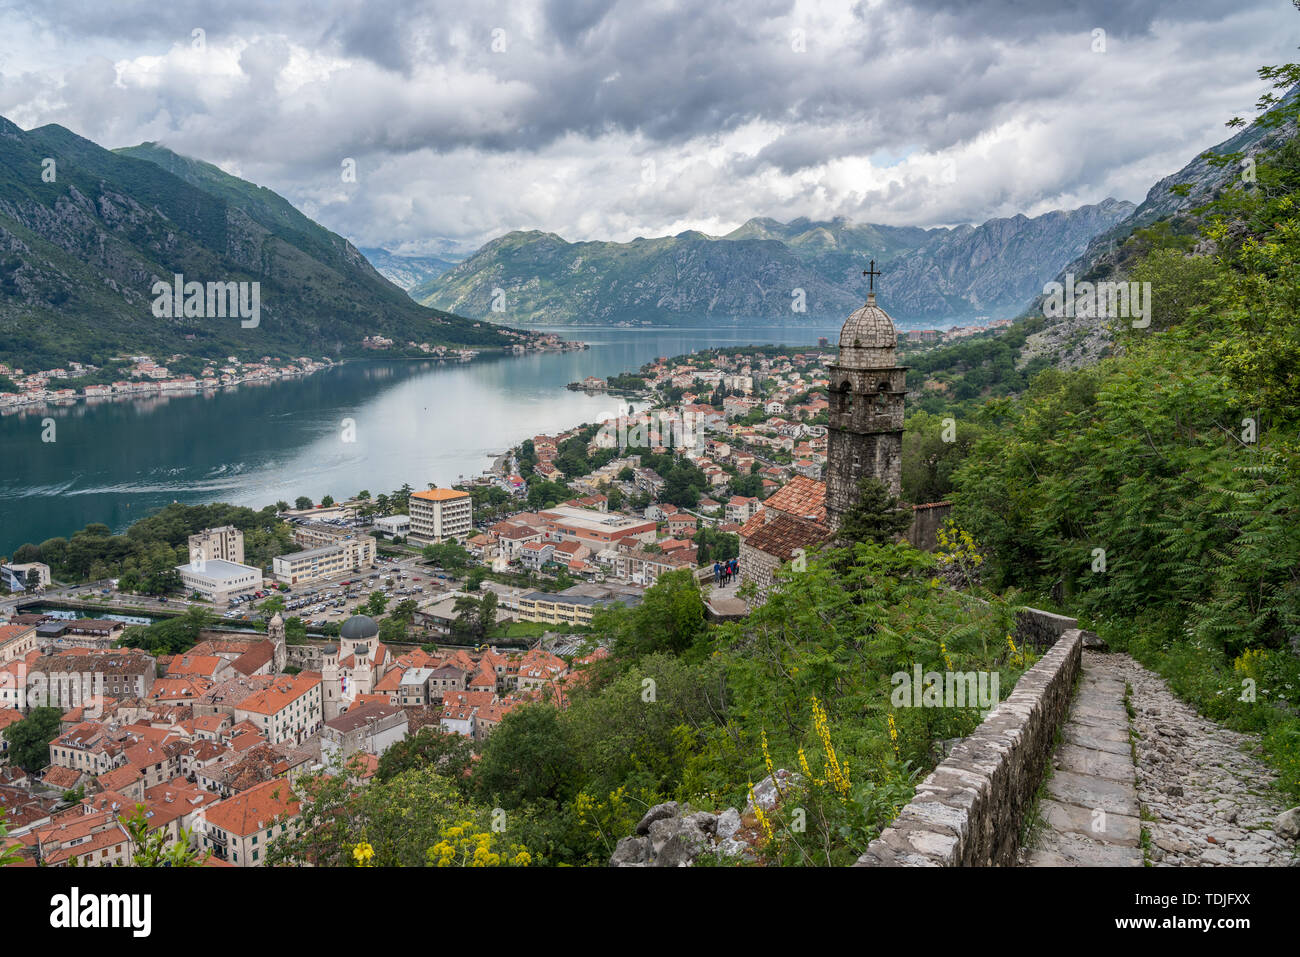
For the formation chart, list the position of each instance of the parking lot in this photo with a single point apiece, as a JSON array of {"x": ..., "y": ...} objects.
[{"x": 337, "y": 599}]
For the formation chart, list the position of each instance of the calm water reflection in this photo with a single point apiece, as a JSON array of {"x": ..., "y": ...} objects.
[{"x": 416, "y": 422}]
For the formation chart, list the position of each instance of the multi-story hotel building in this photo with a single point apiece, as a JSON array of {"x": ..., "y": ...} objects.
[{"x": 440, "y": 514}]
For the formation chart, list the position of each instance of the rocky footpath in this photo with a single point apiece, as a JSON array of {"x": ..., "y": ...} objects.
[
  {"x": 1206, "y": 798},
  {"x": 675, "y": 835}
]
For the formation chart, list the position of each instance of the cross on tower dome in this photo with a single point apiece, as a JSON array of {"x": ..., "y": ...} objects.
[{"x": 871, "y": 272}]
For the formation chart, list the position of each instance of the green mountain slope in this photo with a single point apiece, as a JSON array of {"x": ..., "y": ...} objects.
[{"x": 79, "y": 256}]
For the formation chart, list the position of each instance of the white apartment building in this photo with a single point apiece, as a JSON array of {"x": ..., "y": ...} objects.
[
  {"x": 291, "y": 710},
  {"x": 440, "y": 514},
  {"x": 345, "y": 555}
]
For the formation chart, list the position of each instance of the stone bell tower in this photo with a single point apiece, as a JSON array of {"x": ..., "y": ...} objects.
[{"x": 867, "y": 387}]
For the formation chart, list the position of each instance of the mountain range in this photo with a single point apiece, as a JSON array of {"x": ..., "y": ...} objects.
[
  {"x": 86, "y": 232},
  {"x": 406, "y": 272},
  {"x": 929, "y": 275}
]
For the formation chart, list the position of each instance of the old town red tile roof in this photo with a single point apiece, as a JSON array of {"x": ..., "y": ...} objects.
[
  {"x": 253, "y": 810},
  {"x": 801, "y": 497},
  {"x": 781, "y": 536}
]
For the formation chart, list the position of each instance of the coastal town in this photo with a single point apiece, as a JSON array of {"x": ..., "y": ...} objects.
[
  {"x": 144, "y": 377},
  {"x": 135, "y": 377},
  {"x": 491, "y": 589}
]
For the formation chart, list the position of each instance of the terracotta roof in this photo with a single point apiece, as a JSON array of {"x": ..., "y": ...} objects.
[
  {"x": 250, "y": 661},
  {"x": 440, "y": 495},
  {"x": 8, "y": 632},
  {"x": 61, "y": 777},
  {"x": 205, "y": 665},
  {"x": 518, "y": 531},
  {"x": 781, "y": 536},
  {"x": 255, "y": 809},
  {"x": 801, "y": 497},
  {"x": 279, "y": 696},
  {"x": 119, "y": 778}
]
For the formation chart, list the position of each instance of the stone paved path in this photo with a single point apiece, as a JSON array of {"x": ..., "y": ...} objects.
[
  {"x": 1090, "y": 810},
  {"x": 1202, "y": 796}
]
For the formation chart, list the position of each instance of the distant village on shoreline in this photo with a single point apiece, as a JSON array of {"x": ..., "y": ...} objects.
[{"x": 144, "y": 376}]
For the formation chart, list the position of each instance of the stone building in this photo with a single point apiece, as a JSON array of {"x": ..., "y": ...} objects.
[
  {"x": 775, "y": 543},
  {"x": 867, "y": 387}
]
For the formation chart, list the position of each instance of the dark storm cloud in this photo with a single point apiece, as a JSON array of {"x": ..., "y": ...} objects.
[
  {"x": 1030, "y": 18},
  {"x": 470, "y": 118}
]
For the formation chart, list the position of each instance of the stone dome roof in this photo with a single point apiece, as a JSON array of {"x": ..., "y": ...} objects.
[
  {"x": 359, "y": 626},
  {"x": 868, "y": 328}
]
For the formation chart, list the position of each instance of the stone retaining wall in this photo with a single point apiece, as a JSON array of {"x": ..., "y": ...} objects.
[
  {"x": 968, "y": 812},
  {"x": 1041, "y": 628}
]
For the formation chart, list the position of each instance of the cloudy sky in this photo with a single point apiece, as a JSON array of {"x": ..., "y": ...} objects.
[{"x": 611, "y": 119}]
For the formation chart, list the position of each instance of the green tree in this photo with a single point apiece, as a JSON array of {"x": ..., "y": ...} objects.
[
  {"x": 529, "y": 758},
  {"x": 447, "y": 753},
  {"x": 448, "y": 555},
  {"x": 401, "y": 818},
  {"x": 8, "y": 855},
  {"x": 487, "y": 612},
  {"x": 29, "y": 739},
  {"x": 302, "y": 502},
  {"x": 615, "y": 496},
  {"x": 933, "y": 447},
  {"x": 876, "y": 516},
  {"x": 153, "y": 849},
  {"x": 670, "y": 619}
]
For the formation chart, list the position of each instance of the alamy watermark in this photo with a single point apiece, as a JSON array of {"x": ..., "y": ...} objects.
[
  {"x": 213, "y": 300},
  {"x": 944, "y": 689},
  {"x": 1099, "y": 300},
  {"x": 22, "y": 689},
  {"x": 650, "y": 430}
]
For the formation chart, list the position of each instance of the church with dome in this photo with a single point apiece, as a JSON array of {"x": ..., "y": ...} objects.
[{"x": 354, "y": 666}]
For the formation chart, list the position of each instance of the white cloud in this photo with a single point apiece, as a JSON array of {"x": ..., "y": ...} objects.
[{"x": 907, "y": 114}]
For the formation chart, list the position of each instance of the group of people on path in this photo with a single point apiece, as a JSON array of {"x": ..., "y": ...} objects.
[{"x": 724, "y": 572}]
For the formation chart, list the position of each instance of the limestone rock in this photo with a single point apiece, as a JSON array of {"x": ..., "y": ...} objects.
[
  {"x": 1287, "y": 824},
  {"x": 766, "y": 792},
  {"x": 728, "y": 824},
  {"x": 631, "y": 852},
  {"x": 657, "y": 813},
  {"x": 1094, "y": 642}
]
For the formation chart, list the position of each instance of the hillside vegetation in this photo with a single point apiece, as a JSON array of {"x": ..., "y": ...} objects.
[
  {"x": 85, "y": 232},
  {"x": 1157, "y": 493}
]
